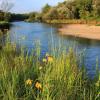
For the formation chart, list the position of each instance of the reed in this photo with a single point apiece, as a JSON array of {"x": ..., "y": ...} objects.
[{"x": 25, "y": 77}]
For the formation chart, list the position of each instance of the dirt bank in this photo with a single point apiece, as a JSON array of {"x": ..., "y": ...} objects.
[{"x": 81, "y": 30}]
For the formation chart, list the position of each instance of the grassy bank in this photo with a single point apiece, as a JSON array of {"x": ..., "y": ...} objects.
[
  {"x": 24, "y": 77},
  {"x": 73, "y": 21},
  {"x": 4, "y": 25}
]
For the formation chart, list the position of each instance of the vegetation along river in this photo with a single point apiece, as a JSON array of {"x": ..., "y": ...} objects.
[{"x": 26, "y": 34}]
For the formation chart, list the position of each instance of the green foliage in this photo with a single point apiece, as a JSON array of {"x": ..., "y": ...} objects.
[
  {"x": 73, "y": 9},
  {"x": 1, "y": 16},
  {"x": 32, "y": 17},
  {"x": 4, "y": 25},
  {"x": 38, "y": 17},
  {"x": 46, "y": 8},
  {"x": 52, "y": 14},
  {"x": 18, "y": 17}
]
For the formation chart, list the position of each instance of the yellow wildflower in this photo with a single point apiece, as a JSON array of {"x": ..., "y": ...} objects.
[
  {"x": 44, "y": 60},
  {"x": 38, "y": 85},
  {"x": 50, "y": 59},
  {"x": 29, "y": 82},
  {"x": 40, "y": 67}
]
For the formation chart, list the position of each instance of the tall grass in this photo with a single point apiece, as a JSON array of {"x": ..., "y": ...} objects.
[{"x": 25, "y": 77}]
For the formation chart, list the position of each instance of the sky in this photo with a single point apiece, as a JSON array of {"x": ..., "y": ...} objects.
[{"x": 25, "y": 6}]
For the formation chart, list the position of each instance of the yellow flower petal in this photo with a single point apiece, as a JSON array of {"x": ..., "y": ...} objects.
[
  {"x": 29, "y": 82},
  {"x": 38, "y": 85},
  {"x": 44, "y": 60},
  {"x": 50, "y": 59}
]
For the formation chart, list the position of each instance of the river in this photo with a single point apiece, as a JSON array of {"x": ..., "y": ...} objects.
[{"x": 26, "y": 34}]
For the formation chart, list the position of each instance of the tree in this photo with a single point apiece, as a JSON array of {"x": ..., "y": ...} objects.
[
  {"x": 46, "y": 8},
  {"x": 32, "y": 16},
  {"x": 63, "y": 12},
  {"x": 5, "y": 6},
  {"x": 73, "y": 9},
  {"x": 52, "y": 14},
  {"x": 39, "y": 17},
  {"x": 1, "y": 15},
  {"x": 85, "y": 8},
  {"x": 96, "y": 7}
]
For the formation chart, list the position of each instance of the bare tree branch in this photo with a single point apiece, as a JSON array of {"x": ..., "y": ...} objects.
[{"x": 6, "y": 5}]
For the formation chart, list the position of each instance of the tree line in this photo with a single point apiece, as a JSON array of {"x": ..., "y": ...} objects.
[{"x": 69, "y": 9}]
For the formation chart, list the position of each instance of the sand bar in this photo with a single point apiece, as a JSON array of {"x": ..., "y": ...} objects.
[{"x": 81, "y": 30}]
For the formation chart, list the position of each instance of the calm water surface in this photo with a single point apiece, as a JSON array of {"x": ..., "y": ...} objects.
[{"x": 26, "y": 34}]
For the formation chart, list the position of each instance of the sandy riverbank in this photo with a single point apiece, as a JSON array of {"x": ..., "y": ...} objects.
[{"x": 81, "y": 30}]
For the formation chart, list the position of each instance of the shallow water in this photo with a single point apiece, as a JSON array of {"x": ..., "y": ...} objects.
[{"x": 26, "y": 34}]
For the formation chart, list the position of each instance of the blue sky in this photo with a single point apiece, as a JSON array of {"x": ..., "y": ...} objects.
[{"x": 24, "y": 6}]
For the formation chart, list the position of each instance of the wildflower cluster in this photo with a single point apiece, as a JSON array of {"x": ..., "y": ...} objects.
[
  {"x": 48, "y": 58},
  {"x": 29, "y": 82},
  {"x": 37, "y": 84}
]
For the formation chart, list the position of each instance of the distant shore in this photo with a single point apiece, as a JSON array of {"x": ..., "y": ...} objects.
[{"x": 81, "y": 30}]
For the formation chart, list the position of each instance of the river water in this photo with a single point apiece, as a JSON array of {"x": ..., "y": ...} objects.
[{"x": 26, "y": 34}]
